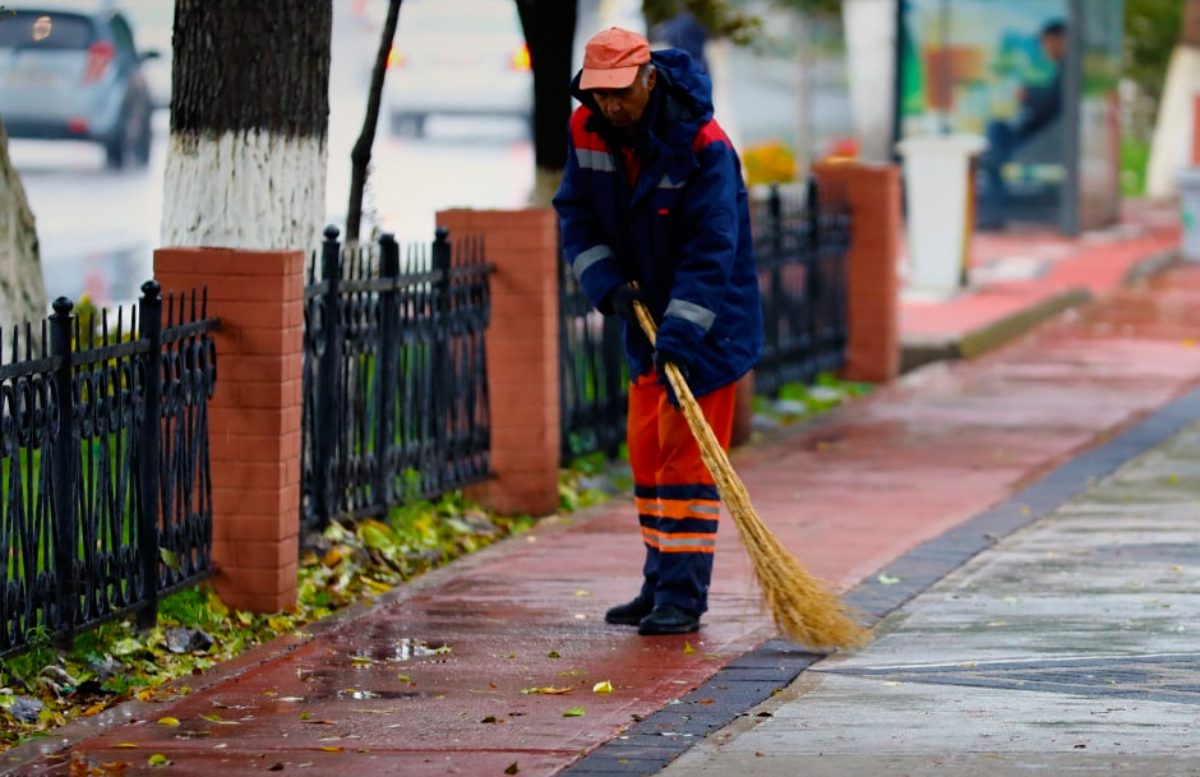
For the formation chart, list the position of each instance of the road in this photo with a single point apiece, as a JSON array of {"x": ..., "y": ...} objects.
[{"x": 98, "y": 228}]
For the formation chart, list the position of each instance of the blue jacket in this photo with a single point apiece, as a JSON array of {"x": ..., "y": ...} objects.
[{"x": 683, "y": 234}]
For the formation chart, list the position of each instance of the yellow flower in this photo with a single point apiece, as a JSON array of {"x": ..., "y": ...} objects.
[{"x": 768, "y": 163}]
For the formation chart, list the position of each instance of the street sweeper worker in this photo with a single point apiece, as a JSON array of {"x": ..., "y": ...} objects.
[{"x": 653, "y": 208}]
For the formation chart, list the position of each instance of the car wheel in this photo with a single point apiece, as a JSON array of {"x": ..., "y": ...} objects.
[
  {"x": 145, "y": 138},
  {"x": 116, "y": 152},
  {"x": 122, "y": 147}
]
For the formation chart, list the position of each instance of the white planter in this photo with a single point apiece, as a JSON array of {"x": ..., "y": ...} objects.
[{"x": 936, "y": 187}]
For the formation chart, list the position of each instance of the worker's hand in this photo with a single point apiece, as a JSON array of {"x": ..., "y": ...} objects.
[
  {"x": 620, "y": 302},
  {"x": 661, "y": 360}
]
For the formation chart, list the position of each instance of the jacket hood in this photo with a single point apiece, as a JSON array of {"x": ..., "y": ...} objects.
[{"x": 684, "y": 102}]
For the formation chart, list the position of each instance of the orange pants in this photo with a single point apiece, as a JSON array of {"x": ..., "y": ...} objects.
[{"x": 678, "y": 504}]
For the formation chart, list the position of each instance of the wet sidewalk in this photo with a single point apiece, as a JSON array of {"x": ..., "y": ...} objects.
[
  {"x": 1067, "y": 648},
  {"x": 433, "y": 678},
  {"x": 1026, "y": 276}
]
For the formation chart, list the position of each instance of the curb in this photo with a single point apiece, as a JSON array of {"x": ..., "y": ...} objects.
[
  {"x": 919, "y": 351},
  {"x": 1152, "y": 265},
  {"x": 740, "y": 686}
]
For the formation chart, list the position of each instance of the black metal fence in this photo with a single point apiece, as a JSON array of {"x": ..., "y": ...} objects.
[
  {"x": 105, "y": 487},
  {"x": 801, "y": 239},
  {"x": 594, "y": 374},
  {"x": 395, "y": 375}
]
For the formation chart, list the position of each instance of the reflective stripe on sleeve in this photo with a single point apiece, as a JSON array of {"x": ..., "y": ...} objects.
[
  {"x": 589, "y": 257},
  {"x": 690, "y": 311}
]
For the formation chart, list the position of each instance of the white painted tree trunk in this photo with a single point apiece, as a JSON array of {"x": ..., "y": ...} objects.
[
  {"x": 248, "y": 189},
  {"x": 246, "y": 167},
  {"x": 22, "y": 289},
  {"x": 870, "y": 27},
  {"x": 1172, "y": 146}
]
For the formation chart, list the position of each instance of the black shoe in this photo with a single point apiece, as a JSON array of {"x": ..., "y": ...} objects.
[
  {"x": 668, "y": 619},
  {"x": 630, "y": 614}
]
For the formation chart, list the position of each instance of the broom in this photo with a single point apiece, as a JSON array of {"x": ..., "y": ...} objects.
[{"x": 803, "y": 608}]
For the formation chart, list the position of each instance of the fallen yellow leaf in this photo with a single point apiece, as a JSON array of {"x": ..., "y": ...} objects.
[
  {"x": 127, "y": 745},
  {"x": 377, "y": 586},
  {"x": 603, "y": 687},
  {"x": 168, "y": 721},
  {"x": 688, "y": 649},
  {"x": 279, "y": 623},
  {"x": 549, "y": 690},
  {"x": 333, "y": 749}
]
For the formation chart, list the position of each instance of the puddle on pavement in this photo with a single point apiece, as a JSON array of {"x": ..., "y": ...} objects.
[
  {"x": 406, "y": 648},
  {"x": 363, "y": 695}
]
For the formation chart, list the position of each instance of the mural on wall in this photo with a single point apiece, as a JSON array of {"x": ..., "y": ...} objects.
[{"x": 992, "y": 68}]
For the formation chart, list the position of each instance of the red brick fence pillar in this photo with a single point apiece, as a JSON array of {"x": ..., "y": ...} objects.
[
  {"x": 873, "y": 288},
  {"x": 522, "y": 355},
  {"x": 254, "y": 417}
]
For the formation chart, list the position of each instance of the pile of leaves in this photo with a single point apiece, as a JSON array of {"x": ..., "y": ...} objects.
[
  {"x": 45, "y": 687},
  {"x": 592, "y": 479}
]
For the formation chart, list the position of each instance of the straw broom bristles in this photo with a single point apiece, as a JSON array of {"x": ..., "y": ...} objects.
[{"x": 803, "y": 607}]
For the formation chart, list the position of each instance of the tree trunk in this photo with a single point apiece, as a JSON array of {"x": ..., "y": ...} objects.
[
  {"x": 360, "y": 156},
  {"x": 1171, "y": 148},
  {"x": 549, "y": 27},
  {"x": 249, "y": 124},
  {"x": 22, "y": 289}
]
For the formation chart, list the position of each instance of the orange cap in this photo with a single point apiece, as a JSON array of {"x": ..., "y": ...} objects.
[{"x": 612, "y": 58}]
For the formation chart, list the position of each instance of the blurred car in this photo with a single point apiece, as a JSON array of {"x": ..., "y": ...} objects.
[
  {"x": 457, "y": 57},
  {"x": 153, "y": 24},
  {"x": 72, "y": 72}
]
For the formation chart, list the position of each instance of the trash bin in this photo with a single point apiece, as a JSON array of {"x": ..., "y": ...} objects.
[
  {"x": 937, "y": 171},
  {"x": 1189, "y": 207}
]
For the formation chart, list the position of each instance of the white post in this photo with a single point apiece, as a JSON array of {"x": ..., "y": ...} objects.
[
  {"x": 871, "y": 55},
  {"x": 804, "y": 83}
]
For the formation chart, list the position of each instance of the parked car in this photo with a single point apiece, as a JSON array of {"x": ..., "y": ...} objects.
[
  {"x": 72, "y": 72},
  {"x": 457, "y": 57},
  {"x": 153, "y": 23}
]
